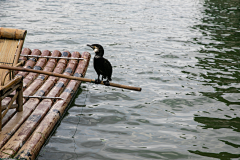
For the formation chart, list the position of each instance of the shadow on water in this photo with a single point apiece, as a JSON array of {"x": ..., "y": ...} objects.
[{"x": 219, "y": 65}]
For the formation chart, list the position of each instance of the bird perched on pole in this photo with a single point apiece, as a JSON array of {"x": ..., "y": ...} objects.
[{"x": 101, "y": 65}]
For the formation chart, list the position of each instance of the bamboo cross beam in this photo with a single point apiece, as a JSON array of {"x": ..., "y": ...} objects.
[
  {"x": 36, "y": 56},
  {"x": 41, "y": 97},
  {"x": 69, "y": 77}
]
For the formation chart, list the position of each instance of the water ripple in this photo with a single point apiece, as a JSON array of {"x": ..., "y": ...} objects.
[{"x": 185, "y": 56}]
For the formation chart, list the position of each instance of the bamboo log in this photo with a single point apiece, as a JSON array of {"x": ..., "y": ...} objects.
[
  {"x": 12, "y": 33},
  {"x": 62, "y": 82},
  {"x": 25, "y": 51},
  {"x": 29, "y": 64},
  {"x": 41, "y": 62},
  {"x": 32, "y": 146},
  {"x": 51, "y": 81},
  {"x": 31, "y": 76},
  {"x": 16, "y": 121},
  {"x": 70, "y": 77},
  {"x": 9, "y": 115},
  {"x": 31, "y": 123},
  {"x": 28, "y": 80}
]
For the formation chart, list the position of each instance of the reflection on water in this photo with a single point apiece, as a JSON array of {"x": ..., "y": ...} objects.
[
  {"x": 184, "y": 54},
  {"x": 218, "y": 64}
]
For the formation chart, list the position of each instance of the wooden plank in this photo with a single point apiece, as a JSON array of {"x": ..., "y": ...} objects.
[
  {"x": 32, "y": 146},
  {"x": 32, "y": 122}
]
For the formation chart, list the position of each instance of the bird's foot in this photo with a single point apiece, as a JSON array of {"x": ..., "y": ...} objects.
[
  {"x": 97, "y": 81},
  {"x": 106, "y": 83}
]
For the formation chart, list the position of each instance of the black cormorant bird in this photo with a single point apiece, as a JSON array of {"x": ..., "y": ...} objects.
[{"x": 101, "y": 65}]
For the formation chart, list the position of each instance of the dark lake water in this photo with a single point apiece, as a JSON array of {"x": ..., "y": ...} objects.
[{"x": 185, "y": 54}]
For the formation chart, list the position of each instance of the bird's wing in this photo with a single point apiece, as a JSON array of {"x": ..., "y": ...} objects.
[{"x": 108, "y": 68}]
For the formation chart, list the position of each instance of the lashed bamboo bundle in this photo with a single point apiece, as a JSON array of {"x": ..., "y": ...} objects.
[
  {"x": 34, "y": 118},
  {"x": 57, "y": 110},
  {"x": 30, "y": 63},
  {"x": 41, "y": 62}
]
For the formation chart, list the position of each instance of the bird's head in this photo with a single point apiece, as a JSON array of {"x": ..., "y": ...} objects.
[{"x": 97, "y": 48}]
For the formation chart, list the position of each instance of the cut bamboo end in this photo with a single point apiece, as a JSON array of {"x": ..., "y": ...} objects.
[{"x": 12, "y": 33}]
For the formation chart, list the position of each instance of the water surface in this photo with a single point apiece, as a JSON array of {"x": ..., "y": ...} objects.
[{"x": 183, "y": 54}]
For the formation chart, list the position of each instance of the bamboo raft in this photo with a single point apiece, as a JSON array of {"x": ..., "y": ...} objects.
[{"x": 45, "y": 99}]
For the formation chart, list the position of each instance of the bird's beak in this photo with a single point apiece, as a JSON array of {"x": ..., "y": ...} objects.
[{"x": 90, "y": 46}]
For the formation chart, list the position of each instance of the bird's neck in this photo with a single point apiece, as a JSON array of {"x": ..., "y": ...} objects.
[{"x": 99, "y": 54}]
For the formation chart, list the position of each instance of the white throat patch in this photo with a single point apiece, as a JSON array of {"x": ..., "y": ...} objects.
[{"x": 96, "y": 49}]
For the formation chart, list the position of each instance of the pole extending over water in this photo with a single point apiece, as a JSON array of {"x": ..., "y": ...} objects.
[{"x": 69, "y": 77}]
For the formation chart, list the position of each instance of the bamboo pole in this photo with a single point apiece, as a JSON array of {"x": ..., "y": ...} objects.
[
  {"x": 53, "y": 57},
  {"x": 41, "y": 97},
  {"x": 69, "y": 77}
]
